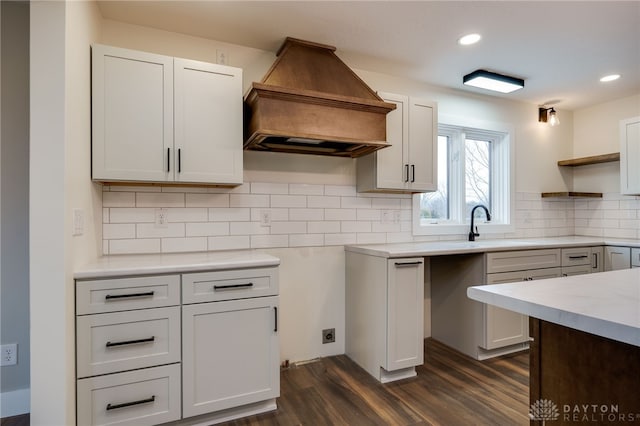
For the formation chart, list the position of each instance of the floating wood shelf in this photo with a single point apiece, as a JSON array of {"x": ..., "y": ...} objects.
[
  {"x": 572, "y": 194},
  {"x": 596, "y": 159}
]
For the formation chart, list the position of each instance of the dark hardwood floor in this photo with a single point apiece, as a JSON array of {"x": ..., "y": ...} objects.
[{"x": 451, "y": 389}]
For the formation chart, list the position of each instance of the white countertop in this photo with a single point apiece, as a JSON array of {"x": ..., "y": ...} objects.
[
  {"x": 123, "y": 265},
  {"x": 606, "y": 304},
  {"x": 440, "y": 248}
]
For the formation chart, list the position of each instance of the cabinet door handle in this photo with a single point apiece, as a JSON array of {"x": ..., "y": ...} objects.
[
  {"x": 406, "y": 172},
  {"x": 401, "y": 264},
  {"x": 231, "y": 286},
  {"x": 168, "y": 159},
  {"x": 130, "y": 295},
  {"x": 565, "y": 275},
  {"x": 129, "y": 404},
  {"x": 584, "y": 256},
  {"x": 275, "y": 313},
  {"x": 130, "y": 342},
  {"x": 179, "y": 161},
  {"x": 595, "y": 261},
  {"x": 413, "y": 173}
]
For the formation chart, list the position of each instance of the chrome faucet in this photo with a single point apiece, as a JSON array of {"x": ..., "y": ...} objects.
[{"x": 472, "y": 234}]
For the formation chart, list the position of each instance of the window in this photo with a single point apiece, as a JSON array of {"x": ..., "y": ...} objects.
[{"x": 474, "y": 167}]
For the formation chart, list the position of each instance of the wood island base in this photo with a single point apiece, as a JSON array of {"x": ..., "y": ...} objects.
[{"x": 581, "y": 378}]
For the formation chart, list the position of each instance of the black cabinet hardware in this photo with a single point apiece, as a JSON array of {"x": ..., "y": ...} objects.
[
  {"x": 129, "y": 404},
  {"x": 131, "y": 342},
  {"x": 231, "y": 286},
  {"x": 127, "y": 296}
]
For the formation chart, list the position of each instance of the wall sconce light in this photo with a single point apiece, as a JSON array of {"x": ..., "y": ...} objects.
[
  {"x": 548, "y": 115},
  {"x": 492, "y": 81}
]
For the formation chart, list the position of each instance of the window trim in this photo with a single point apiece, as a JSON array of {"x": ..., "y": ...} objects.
[{"x": 503, "y": 153}]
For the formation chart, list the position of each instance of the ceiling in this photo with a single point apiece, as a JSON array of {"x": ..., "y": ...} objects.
[{"x": 561, "y": 49}]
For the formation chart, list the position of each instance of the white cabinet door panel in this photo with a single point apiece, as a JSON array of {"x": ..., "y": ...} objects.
[
  {"x": 208, "y": 122},
  {"x": 391, "y": 167},
  {"x": 230, "y": 354},
  {"x": 132, "y": 128},
  {"x": 630, "y": 156},
  {"x": 617, "y": 258},
  {"x": 423, "y": 144},
  {"x": 405, "y": 313}
]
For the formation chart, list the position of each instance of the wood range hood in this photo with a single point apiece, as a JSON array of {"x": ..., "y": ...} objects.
[{"x": 310, "y": 102}]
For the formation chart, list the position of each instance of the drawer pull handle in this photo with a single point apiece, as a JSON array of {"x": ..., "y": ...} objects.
[
  {"x": 595, "y": 261},
  {"x": 129, "y": 404},
  {"x": 130, "y": 295},
  {"x": 131, "y": 342},
  {"x": 231, "y": 286},
  {"x": 578, "y": 257},
  {"x": 408, "y": 263}
]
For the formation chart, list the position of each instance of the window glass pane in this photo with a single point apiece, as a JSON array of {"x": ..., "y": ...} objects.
[
  {"x": 435, "y": 205},
  {"x": 477, "y": 174}
]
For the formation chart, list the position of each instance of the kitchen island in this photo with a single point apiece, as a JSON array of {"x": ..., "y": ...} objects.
[{"x": 585, "y": 352}]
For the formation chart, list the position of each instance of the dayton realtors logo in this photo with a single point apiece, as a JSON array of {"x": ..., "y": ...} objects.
[{"x": 545, "y": 409}]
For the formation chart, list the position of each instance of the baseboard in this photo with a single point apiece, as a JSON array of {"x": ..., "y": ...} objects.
[{"x": 15, "y": 402}]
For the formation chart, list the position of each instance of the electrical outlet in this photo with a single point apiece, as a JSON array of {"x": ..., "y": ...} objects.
[
  {"x": 265, "y": 218},
  {"x": 328, "y": 335},
  {"x": 9, "y": 354},
  {"x": 162, "y": 220},
  {"x": 222, "y": 57}
]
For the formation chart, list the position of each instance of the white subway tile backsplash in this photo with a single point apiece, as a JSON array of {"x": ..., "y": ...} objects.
[
  {"x": 269, "y": 188},
  {"x": 178, "y": 245},
  {"x": 150, "y": 199},
  {"x": 340, "y": 190},
  {"x": 323, "y": 202},
  {"x": 119, "y": 199},
  {"x": 306, "y": 214},
  {"x": 118, "y": 231},
  {"x": 314, "y": 215},
  {"x": 235, "y": 214},
  {"x": 134, "y": 246},
  {"x": 339, "y": 214},
  {"x": 207, "y": 229},
  {"x": 323, "y": 227},
  {"x": 248, "y": 200},
  {"x": 193, "y": 214},
  {"x": 236, "y": 242},
  {"x": 305, "y": 189},
  {"x": 289, "y": 201},
  {"x": 150, "y": 230},
  {"x": 207, "y": 200},
  {"x": 288, "y": 227},
  {"x": 269, "y": 241},
  {"x": 306, "y": 240},
  {"x": 131, "y": 215}
]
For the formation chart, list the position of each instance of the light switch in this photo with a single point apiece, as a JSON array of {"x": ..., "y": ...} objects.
[{"x": 78, "y": 222}]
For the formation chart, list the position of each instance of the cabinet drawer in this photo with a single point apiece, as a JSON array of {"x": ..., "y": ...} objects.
[
  {"x": 228, "y": 285},
  {"x": 522, "y": 260},
  {"x": 568, "y": 271},
  {"x": 635, "y": 257},
  {"x": 142, "y": 397},
  {"x": 107, "y": 343},
  {"x": 121, "y": 294},
  {"x": 576, "y": 256}
]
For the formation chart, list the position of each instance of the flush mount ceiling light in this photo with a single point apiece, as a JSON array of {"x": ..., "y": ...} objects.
[
  {"x": 610, "y": 77},
  {"x": 469, "y": 39},
  {"x": 493, "y": 81},
  {"x": 548, "y": 115}
]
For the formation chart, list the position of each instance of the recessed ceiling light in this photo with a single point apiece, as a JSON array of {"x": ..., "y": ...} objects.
[
  {"x": 610, "y": 77},
  {"x": 469, "y": 39}
]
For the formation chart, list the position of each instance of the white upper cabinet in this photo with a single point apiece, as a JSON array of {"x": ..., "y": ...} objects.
[
  {"x": 160, "y": 119},
  {"x": 410, "y": 163},
  {"x": 630, "y": 156}
]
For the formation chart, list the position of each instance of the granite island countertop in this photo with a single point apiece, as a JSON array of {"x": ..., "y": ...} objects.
[{"x": 606, "y": 304}]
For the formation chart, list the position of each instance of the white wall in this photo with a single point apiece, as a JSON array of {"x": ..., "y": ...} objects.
[
  {"x": 14, "y": 196},
  {"x": 61, "y": 33}
]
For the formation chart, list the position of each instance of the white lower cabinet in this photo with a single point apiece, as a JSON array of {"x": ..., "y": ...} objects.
[
  {"x": 144, "y": 357},
  {"x": 230, "y": 354},
  {"x": 617, "y": 258},
  {"x": 385, "y": 314},
  {"x": 635, "y": 257}
]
